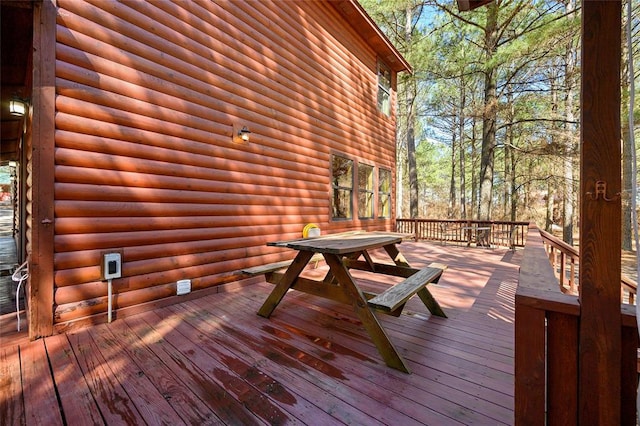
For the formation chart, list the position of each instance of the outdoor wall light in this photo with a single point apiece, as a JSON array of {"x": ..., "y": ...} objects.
[
  {"x": 241, "y": 134},
  {"x": 244, "y": 134},
  {"x": 17, "y": 107}
]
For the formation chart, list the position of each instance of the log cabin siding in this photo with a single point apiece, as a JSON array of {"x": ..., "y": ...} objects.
[{"x": 147, "y": 96}]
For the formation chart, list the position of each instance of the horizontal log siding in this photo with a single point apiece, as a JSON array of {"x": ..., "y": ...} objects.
[{"x": 147, "y": 96}]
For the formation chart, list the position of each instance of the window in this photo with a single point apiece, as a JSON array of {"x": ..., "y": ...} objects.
[
  {"x": 384, "y": 193},
  {"x": 365, "y": 191},
  {"x": 384, "y": 89},
  {"x": 353, "y": 185},
  {"x": 342, "y": 182}
]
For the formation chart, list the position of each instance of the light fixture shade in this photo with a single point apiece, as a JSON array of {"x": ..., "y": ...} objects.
[
  {"x": 244, "y": 134},
  {"x": 241, "y": 134},
  {"x": 17, "y": 107}
]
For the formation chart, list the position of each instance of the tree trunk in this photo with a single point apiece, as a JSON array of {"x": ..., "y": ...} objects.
[
  {"x": 452, "y": 183},
  {"x": 514, "y": 189},
  {"x": 400, "y": 162},
  {"x": 474, "y": 175},
  {"x": 489, "y": 115},
  {"x": 413, "y": 173},
  {"x": 507, "y": 203},
  {"x": 411, "y": 119},
  {"x": 627, "y": 183},
  {"x": 570, "y": 140},
  {"x": 463, "y": 189},
  {"x": 557, "y": 144},
  {"x": 627, "y": 146},
  {"x": 568, "y": 198},
  {"x": 550, "y": 200}
]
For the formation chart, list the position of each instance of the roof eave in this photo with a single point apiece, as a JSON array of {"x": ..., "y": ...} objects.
[
  {"x": 359, "y": 19},
  {"x": 464, "y": 5}
]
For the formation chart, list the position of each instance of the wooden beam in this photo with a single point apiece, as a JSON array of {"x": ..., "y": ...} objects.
[
  {"x": 600, "y": 215},
  {"x": 42, "y": 172},
  {"x": 465, "y": 5}
]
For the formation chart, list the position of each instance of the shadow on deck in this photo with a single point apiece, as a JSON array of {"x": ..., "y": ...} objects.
[{"x": 212, "y": 360}]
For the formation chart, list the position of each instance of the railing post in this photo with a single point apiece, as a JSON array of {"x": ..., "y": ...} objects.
[{"x": 600, "y": 217}]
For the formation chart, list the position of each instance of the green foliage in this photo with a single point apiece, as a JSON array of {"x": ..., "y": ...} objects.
[
  {"x": 449, "y": 53},
  {"x": 432, "y": 159}
]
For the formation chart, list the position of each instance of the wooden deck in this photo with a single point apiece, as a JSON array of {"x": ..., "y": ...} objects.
[{"x": 212, "y": 360}]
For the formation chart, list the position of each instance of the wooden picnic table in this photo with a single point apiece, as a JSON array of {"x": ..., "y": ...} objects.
[
  {"x": 481, "y": 234},
  {"x": 351, "y": 250}
]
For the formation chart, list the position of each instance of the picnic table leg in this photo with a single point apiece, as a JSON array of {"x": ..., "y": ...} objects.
[
  {"x": 427, "y": 298},
  {"x": 369, "y": 260},
  {"x": 359, "y": 302},
  {"x": 290, "y": 276},
  {"x": 330, "y": 279},
  {"x": 430, "y": 302},
  {"x": 484, "y": 238},
  {"x": 396, "y": 256}
]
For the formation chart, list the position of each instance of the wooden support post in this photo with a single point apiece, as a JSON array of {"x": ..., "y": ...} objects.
[
  {"x": 600, "y": 215},
  {"x": 42, "y": 172}
]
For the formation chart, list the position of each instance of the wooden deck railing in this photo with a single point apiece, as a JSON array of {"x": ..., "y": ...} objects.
[
  {"x": 547, "y": 346},
  {"x": 501, "y": 233},
  {"x": 565, "y": 259}
]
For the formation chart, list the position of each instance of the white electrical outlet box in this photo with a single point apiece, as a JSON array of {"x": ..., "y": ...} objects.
[
  {"x": 183, "y": 287},
  {"x": 111, "y": 266}
]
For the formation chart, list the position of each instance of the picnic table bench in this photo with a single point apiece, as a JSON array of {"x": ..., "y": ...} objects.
[
  {"x": 396, "y": 296},
  {"x": 275, "y": 266}
]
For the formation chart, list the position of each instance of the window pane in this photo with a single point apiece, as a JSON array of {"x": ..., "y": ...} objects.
[
  {"x": 342, "y": 172},
  {"x": 384, "y": 102},
  {"x": 342, "y": 183},
  {"x": 385, "y": 206},
  {"x": 384, "y": 89},
  {"x": 384, "y": 193},
  {"x": 342, "y": 204},
  {"x": 365, "y": 177},
  {"x": 365, "y": 191},
  {"x": 365, "y": 205},
  {"x": 384, "y": 77},
  {"x": 384, "y": 181}
]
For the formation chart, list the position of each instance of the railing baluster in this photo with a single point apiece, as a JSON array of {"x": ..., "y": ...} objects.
[
  {"x": 562, "y": 270},
  {"x": 573, "y": 285},
  {"x": 556, "y": 247},
  {"x": 503, "y": 233}
]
